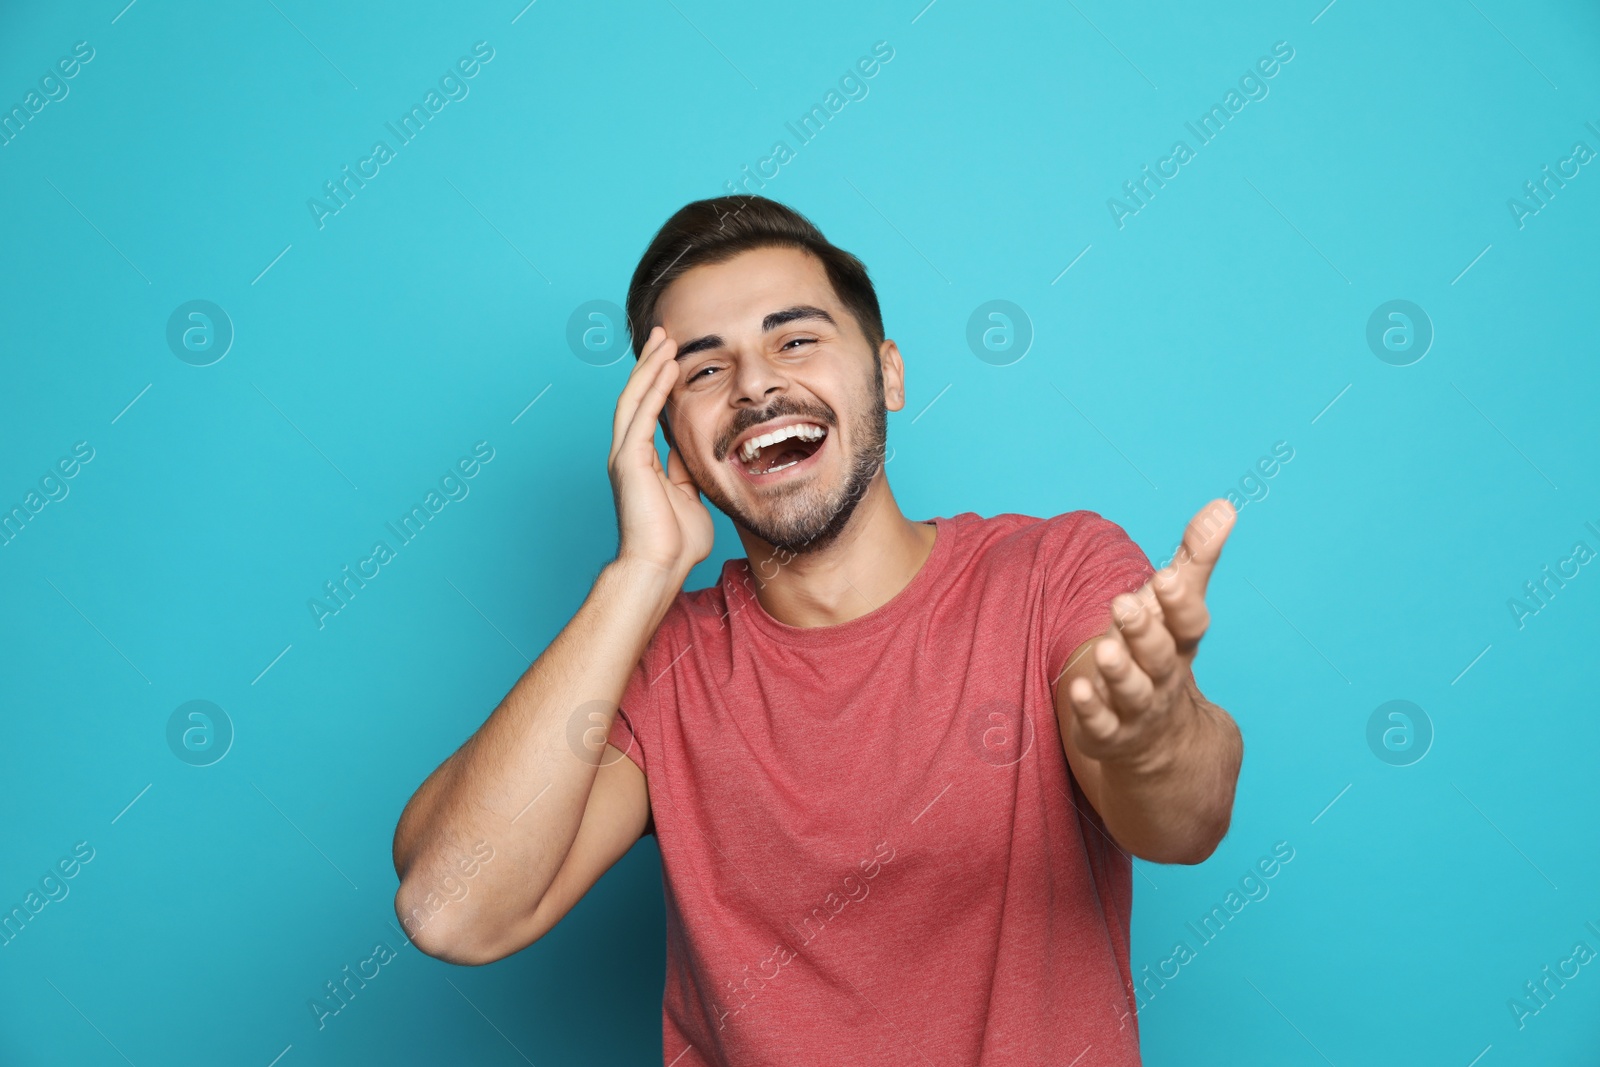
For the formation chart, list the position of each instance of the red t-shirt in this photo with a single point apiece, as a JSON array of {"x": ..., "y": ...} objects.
[{"x": 869, "y": 852}]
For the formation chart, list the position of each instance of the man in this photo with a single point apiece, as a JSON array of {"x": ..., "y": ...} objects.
[{"x": 895, "y": 768}]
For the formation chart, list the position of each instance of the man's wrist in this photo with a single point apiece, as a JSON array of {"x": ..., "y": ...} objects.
[{"x": 642, "y": 578}]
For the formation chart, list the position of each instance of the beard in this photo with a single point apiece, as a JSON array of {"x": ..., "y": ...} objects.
[{"x": 807, "y": 517}]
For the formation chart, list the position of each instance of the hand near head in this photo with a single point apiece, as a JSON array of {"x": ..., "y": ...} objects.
[
  {"x": 661, "y": 520},
  {"x": 1140, "y": 687}
]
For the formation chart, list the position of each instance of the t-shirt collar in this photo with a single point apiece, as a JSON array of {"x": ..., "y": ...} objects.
[{"x": 739, "y": 583}]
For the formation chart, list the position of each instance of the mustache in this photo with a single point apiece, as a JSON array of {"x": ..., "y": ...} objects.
[{"x": 779, "y": 408}]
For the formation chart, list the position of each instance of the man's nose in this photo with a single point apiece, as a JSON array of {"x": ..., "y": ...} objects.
[{"x": 756, "y": 380}]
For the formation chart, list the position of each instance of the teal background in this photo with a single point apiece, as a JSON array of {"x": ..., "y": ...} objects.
[{"x": 1227, "y": 315}]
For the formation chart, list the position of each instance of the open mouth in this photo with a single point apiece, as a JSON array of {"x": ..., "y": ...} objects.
[{"x": 788, "y": 448}]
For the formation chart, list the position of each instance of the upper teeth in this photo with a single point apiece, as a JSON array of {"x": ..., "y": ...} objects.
[{"x": 804, "y": 430}]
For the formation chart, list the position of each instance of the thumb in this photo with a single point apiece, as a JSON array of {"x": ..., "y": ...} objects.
[
  {"x": 1203, "y": 539},
  {"x": 678, "y": 473}
]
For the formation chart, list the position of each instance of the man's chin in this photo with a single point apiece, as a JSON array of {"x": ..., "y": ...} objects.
[
  {"x": 784, "y": 531},
  {"x": 807, "y": 522}
]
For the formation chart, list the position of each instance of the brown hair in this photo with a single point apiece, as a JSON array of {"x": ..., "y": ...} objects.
[{"x": 716, "y": 230}]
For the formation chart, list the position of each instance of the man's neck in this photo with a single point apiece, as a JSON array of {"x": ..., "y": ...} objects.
[{"x": 873, "y": 558}]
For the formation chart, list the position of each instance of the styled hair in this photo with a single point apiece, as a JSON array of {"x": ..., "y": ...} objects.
[{"x": 716, "y": 230}]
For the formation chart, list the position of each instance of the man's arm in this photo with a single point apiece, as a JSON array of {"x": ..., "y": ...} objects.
[
  {"x": 1158, "y": 761},
  {"x": 519, "y": 793},
  {"x": 529, "y": 817}
]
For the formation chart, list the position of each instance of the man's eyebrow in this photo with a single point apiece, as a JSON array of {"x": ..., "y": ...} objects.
[
  {"x": 768, "y": 324},
  {"x": 791, "y": 314}
]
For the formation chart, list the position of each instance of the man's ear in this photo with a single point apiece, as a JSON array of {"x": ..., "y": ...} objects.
[{"x": 894, "y": 375}]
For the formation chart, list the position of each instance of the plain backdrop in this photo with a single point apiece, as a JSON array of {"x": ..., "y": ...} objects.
[{"x": 1168, "y": 350}]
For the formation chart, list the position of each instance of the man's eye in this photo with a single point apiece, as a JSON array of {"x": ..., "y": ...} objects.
[
  {"x": 801, "y": 340},
  {"x": 701, "y": 371}
]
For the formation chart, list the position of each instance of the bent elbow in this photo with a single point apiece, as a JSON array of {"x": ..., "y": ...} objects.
[
  {"x": 444, "y": 937},
  {"x": 1191, "y": 855},
  {"x": 1185, "y": 855},
  {"x": 459, "y": 952}
]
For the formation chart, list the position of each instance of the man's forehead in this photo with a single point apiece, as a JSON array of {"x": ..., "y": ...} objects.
[{"x": 741, "y": 291}]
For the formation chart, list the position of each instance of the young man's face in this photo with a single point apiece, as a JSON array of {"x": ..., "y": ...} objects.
[{"x": 757, "y": 352}]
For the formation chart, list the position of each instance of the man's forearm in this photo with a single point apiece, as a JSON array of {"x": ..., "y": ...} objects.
[
  {"x": 523, "y": 752},
  {"x": 1174, "y": 804}
]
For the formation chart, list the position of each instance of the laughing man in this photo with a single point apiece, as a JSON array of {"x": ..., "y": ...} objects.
[{"x": 896, "y": 769}]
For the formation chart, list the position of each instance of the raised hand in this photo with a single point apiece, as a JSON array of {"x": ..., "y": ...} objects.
[
  {"x": 1136, "y": 697},
  {"x": 661, "y": 519}
]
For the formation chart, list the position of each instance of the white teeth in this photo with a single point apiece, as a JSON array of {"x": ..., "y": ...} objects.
[{"x": 804, "y": 430}]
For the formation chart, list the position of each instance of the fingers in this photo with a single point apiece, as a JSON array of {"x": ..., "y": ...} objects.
[
  {"x": 1183, "y": 606},
  {"x": 1202, "y": 543},
  {"x": 644, "y": 368},
  {"x": 1096, "y": 719},
  {"x": 1180, "y": 588},
  {"x": 656, "y": 384},
  {"x": 652, "y": 345},
  {"x": 1131, "y": 689},
  {"x": 1143, "y": 626},
  {"x": 678, "y": 474},
  {"x": 628, "y": 399},
  {"x": 640, "y": 381}
]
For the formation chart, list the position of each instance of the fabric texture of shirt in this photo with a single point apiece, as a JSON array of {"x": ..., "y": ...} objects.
[{"x": 873, "y": 849}]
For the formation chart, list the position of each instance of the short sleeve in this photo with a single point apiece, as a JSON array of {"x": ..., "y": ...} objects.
[
  {"x": 633, "y": 711},
  {"x": 1089, "y": 563}
]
